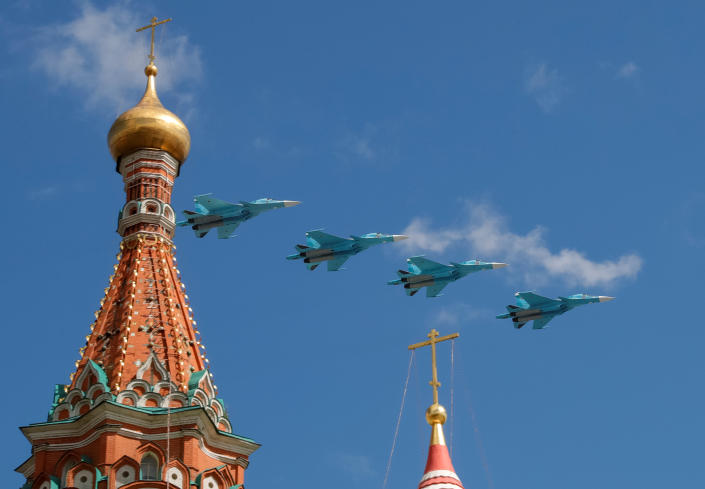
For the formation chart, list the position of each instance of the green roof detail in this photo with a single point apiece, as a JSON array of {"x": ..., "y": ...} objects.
[
  {"x": 59, "y": 393},
  {"x": 102, "y": 376},
  {"x": 194, "y": 380}
]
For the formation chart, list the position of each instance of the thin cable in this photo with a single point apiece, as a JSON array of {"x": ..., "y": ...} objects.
[
  {"x": 476, "y": 433},
  {"x": 396, "y": 429},
  {"x": 452, "y": 398},
  {"x": 481, "y": 447}
]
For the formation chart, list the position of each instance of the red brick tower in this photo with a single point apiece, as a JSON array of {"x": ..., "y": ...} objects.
[{"x": 141, "y": 411}]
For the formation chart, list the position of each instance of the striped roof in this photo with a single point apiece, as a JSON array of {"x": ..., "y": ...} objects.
[{"x": 439, "y": 473}]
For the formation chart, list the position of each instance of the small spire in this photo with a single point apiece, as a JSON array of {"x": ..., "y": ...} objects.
[
  {"x": 152, "y": 26},
  {"x": 439, "y": 472},
  {"x": 150, "y": 94}
]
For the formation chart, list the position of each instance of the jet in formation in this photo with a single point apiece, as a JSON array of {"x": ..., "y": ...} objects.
[
  {"x": 435, "y": 276},
  {"x": 215, "y": 213},
  {"x": 540, "y": 309},
  {"x": 335, "y": 250}
]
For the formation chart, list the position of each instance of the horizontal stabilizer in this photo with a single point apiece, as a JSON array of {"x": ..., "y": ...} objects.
[
  {"x": 302, "y": 247},
  {"x": 512, "y": 308},
  {"x": 190, "y": 213},
  {"x": 541, "y": 323},
  {"x": 402, "y": 273}
]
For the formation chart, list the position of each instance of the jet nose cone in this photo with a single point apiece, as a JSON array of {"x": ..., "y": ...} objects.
[
  {"x": 291, "y": 203},
  {"x": 498, "y": 265},
  {"x": 399, "y": 237},
  {"x": 605, "y": 298}
]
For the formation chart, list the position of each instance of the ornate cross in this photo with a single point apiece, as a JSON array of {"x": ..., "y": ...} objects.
[
  {"x": 152, "y": 26},
  {"x": 433, "y": 335}
]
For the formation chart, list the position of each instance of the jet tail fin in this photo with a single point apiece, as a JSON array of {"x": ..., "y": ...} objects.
[
  {"x": 190, "y": 213},
  {"x": 519, "y": 325},
  {"x": 312, "y": 266},
  {"x": 301, "y": 247},
  {"x": 411, "y": 292},
  {"x": 402, "y": 273},
  {"x": 199, "y": 233}
]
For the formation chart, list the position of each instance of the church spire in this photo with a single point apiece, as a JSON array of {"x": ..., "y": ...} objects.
[
  {"x": 439, "y": 472},
  {"x": 141, "y": 409}
]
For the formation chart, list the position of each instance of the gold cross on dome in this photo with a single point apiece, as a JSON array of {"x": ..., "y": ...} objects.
[
  {"x": 433, "y": 335},
  {"x": 152, "y": 26}
]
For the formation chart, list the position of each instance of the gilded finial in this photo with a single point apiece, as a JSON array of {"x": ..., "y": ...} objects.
[
  {"x": 435, "y": 414},
  {"x": 151, "y": 69},
  {"x": 148, "y": 125}
]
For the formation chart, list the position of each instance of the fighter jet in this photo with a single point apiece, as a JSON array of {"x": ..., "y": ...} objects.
[
  {"x": 435, "y": 276},
  {"x": 215, "y": 213},
  {"x": 335, "y": 250},
  {"x": 540, "y": 310}
]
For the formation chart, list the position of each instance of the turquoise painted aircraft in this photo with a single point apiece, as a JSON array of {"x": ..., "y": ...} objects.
[
  {"x": 435, "y": 276},
  {"x": 335, "y": 250},
  {"x": 540, "y": 309},
  {"x": 215, "y": 213}
]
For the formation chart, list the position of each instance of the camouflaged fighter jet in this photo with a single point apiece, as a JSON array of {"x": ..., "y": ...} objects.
[
  {"x": 336, "y": 250},
  {"x": 215, "y": 213},
  {"x": 435, "y": 276},
  {"x": 540, "y": 309}
]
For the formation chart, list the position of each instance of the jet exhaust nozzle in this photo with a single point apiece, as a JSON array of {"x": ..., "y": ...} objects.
[
  {"x": 418, "y": 285},
  {"x": 318, "y": 259}
]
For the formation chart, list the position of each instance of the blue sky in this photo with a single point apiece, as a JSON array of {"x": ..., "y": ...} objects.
[{"x": 564, "y": 138}]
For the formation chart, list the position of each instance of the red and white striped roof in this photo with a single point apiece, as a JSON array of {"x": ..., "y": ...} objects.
[{"x": 439, "y": 473}]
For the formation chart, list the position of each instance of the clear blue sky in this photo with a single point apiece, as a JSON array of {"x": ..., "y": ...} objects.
[{"x": 565, "y": 138}]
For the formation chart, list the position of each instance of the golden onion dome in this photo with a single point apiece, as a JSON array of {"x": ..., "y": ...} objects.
[{"x": 148, "y": 125}]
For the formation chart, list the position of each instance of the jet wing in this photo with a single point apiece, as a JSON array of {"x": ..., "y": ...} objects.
[
  {"x": 212, "y": 205},
  {"x": 320, "y": 239},
  {"x": 335, "y": 264},
  {"x": 534, "y": 300},
  {"x": 225, "y": 232},
  {"x": 435, "y": 290},
  {"x": 541, "y": 323},
  {"x": 419, "y": 265}
]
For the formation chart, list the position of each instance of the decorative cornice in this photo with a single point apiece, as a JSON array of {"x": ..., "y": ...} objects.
[
  {"x": 145, "y": 218},
  {"x": 151, "y": 155},
  {"x": 103, "y": 417}
]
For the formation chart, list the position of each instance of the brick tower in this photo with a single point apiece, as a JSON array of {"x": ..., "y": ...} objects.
[{"x": 141, "y": 411}]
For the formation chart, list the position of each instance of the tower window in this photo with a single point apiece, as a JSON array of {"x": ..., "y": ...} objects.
[{"x": 149, "y": 468}]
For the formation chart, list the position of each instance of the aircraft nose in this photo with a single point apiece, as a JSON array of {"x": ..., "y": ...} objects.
[
  {"x": 399, "y": 237},
  {"x": 291, "y": 203},
  {"x": 498, "y": 265},
  {"x": 605, "y": 298}
]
